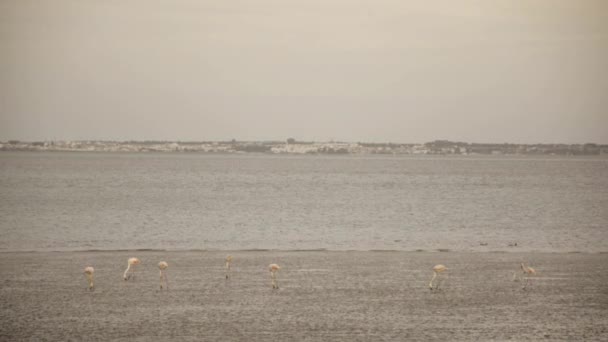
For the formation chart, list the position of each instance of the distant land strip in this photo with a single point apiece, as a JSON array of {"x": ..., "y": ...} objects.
[{"x": 291, "y": 146}]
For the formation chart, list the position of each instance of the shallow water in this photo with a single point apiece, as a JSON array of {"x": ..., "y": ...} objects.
[
  {"x": 83, "y": 201},
  {"x": 365, "y": 296}
]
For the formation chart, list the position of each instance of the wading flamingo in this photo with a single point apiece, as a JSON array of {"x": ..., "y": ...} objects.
[
  {"x": 131, "y": 263},
  {"x": 436, "y": 273},
  {"x": 88, "y": 272},
  {"x": 163, "y": 266},
  {"x": 274, "y": 268},
  {"x": 228, "y": 264},
  {"x": 526, "y": 272}
]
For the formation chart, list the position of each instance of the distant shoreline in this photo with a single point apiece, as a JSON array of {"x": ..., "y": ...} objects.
[
  {"x": 438, "y": 147},
  {"x": 313, "y": 250}
]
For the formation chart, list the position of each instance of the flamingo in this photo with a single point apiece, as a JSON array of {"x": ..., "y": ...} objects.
[
  {"x": 436, "y": 272},
  {"x": 163, "y": 266},
  {"x": 88, "y": 272},
  {"x": 130, "y": 262},
  {"x": 228, "y": 263},
  {"x": 274, "y": 268},
  {"x": 527, "y": 271}
]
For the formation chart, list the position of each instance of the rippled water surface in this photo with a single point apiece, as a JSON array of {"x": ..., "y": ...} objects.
[{"x": 81, "y": 201}]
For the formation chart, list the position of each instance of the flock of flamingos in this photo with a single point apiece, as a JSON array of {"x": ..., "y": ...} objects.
[{"x": 274, "y": 268}]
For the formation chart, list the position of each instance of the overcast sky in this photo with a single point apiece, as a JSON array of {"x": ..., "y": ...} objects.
[{"x": 522, "y": 71}]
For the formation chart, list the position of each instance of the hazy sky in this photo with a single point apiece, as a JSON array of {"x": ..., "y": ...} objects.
[{"x": 377, "y": 70}]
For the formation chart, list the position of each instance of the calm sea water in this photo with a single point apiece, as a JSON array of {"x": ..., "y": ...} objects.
[{"x": 82, "y": 201}]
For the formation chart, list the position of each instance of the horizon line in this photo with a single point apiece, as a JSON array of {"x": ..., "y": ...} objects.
[{"x": 295, "y": 141}]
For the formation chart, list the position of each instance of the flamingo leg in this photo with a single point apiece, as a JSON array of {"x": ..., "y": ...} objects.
[
  {"x": 166, "y": 281},
  {"x": 431, "y": 283},
  {"x": 90, "y": 279},
  {"x": 439, "y": 281},
  {"x": 274, "y": 280},
  {"x": 161, "y": 279},
  {"x": 126, "y": 275}
]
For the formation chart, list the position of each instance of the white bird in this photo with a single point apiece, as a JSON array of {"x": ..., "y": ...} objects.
[
  {"x": 274, "y": 268},
  {"x": 163, "y": 266},
  {"x": 131, "y": 263},
  {"x": 436, "y": 273},
  {"x": 228, "y": 264},
  {"x": 88, "y": 272}
]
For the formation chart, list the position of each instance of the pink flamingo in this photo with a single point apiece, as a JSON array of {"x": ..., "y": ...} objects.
[
  {"x": 527, "y": 272},
  {"x": 132, "y": 262},
  {"x": 274, "y": 268},
  {"x": 436, "y": 273},
  {"x": 228, "y": 264},
  {"x": 88, "y": 272},
  {"x": 163, "y": 266}
]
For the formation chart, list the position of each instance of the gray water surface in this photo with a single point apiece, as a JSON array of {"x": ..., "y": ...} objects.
[{"x": 83, "y": 201}]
